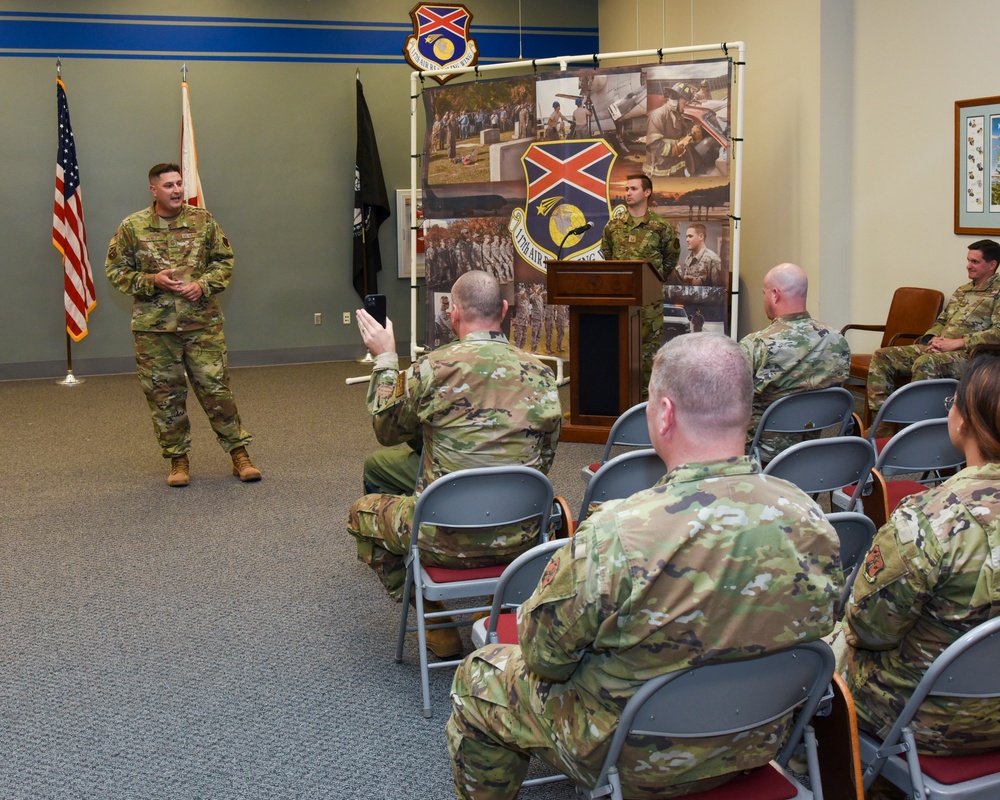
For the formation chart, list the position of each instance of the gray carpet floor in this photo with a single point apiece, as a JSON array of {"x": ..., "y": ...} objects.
[{"x": 218, "y": 641}]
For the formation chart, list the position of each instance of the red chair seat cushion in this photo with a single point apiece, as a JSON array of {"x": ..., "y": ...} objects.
[
  {"x": 763, "y": 783},
  {"x": 895, "y": 491},
  {"x": 507, "y": 628},
  {"x": 959, "y": 769},
  {"x": 451, "y": 575}
]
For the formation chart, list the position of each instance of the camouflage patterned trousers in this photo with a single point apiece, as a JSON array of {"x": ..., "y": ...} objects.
[
  {"x": 165, "y": 362},
  {"x": 651, "y": 320},
  {"x": 889, "y": 364},
  {"x": 381, "y": 524},
  {"x": 499, "y": 722}
]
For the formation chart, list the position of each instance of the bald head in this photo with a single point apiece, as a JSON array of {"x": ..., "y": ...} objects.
[
  {"x": 785, "y": 289},
  {"x": 477, "y": 304}
]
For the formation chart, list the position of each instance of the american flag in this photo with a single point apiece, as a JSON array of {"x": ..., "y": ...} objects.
[{"x": 68, "y": 232}]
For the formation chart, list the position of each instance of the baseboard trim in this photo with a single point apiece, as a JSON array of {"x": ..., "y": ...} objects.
[{"x": 82, "y": 367}]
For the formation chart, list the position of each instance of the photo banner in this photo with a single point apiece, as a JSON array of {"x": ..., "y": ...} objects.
[{"x": 514, "y": 168}]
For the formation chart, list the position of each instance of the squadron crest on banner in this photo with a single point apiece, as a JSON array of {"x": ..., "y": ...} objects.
[
  {"x": 567, "y": 189},
  {"x": 440, "y": 39}
]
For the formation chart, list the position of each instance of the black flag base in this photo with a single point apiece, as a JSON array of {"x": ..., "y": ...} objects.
[{"x": 70, "y": 380}]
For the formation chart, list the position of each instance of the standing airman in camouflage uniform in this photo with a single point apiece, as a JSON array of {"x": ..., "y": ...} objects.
[
  {"x": 522, "y": 315},
  {"x": 645, "y": 235},
  {"x": 477, "y": 402},
  {"x": 795, "y": 353},
  {"x": 716, "y": 562},
  {"x": 174, "y": 259},
  {"x": 929, "y": 577},
  {"x": 972, "y": 317},
  {"x": 537, "y": 298}
]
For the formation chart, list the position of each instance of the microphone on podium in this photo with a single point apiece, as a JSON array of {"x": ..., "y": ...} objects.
[{"x": 573, "y": 232}]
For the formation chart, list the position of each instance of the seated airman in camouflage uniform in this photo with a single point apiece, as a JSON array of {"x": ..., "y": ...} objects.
[
  {"x": 642, "y": 234},
  {"x": 795, "y": 353},
  {"x": 477, "y": 402},
  {"x": 929, "y": 577},
  {"x": 173, "y": 259},
  {"x": 972, "y": 317},
  {"x": 715, "y": 562}
]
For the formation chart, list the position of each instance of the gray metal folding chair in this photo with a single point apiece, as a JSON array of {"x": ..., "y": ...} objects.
[
  {"x": 629, "y": 430},
  {"x": 924, "y": 449},
  {"x": 966, "y": 669},
  {"x": 825, "y": 465},
  {"x": 809, "y": 412},
  {"x": 855, "y": 532},
  {"x": 911, "y": 403},
  {"x": 726, "y": 698},
  {"x": 516, "y": 584},
  {"x": 621, "y": 477},
  {"x": 483, "y": 498}
]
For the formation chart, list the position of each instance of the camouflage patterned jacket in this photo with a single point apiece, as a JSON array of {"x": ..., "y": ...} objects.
[
  {"x": 931, "y": 575},
  {"x": 704, "y": 269},
  {"x": 971, "y": 314},
  {"x": 795, "y": 353},
  {"x": 478, "y": 403},
  {"x": 648, "y": 238},
  {"x": 715, "y": 562},
  {"x": 145, "y": 244}
]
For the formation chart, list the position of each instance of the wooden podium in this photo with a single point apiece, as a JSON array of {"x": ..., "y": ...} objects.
[{"x": 605, "y": 338}]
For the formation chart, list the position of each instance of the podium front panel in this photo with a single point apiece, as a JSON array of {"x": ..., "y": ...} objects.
[{"x": 598, "y": 370}]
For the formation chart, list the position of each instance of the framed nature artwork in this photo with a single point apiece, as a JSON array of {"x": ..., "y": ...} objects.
[{"x": 977, "y": 166}]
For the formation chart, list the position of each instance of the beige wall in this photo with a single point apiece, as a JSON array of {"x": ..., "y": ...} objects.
[
  {"x": 904, "y": 140},
  {"x": 849, "y": 135}
]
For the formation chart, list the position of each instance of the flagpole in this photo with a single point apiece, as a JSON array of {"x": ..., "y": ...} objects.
[{"x": 70, "y": 379}]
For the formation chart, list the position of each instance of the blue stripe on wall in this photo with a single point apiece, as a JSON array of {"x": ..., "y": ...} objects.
[{"x": 231, "y": 39}]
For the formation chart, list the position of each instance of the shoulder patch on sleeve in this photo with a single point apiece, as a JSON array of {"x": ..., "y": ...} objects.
[
  {"x": 548, "y": 575},
  {"x": 874, "y": 564}
]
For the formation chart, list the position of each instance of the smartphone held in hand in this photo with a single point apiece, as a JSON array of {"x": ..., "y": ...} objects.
[{"x": 375, "y": 305}]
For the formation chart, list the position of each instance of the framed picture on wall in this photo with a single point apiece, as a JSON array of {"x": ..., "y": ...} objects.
[
  {"x": 404, "y": 234},
  {"x": 977, "y": 166}
]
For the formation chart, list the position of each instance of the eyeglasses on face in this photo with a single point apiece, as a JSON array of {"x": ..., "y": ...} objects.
[{"x": 949, "y": 402}]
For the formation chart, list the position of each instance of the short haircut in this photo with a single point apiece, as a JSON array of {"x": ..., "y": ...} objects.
[
  {"x": 161, "y": 169},
  {"x": 791, "y": 279},
  {"x": 478, "y": 295},
  {"x": 989, "y": 249},
  {"x": 646, "y": 181},
  {"x": 698, "y": 228},
  {"x": 708, "y": 378},
  {"x": 978, "y": 399}
]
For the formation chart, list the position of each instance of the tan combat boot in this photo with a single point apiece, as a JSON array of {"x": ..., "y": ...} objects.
[
  {"x": 243, "y": 468},
  {"x": 180, "y": 471},
  {"x": 445, "y": 643}
]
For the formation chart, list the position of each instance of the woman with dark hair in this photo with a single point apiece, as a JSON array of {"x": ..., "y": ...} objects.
[{"x": 933, "y": 573}]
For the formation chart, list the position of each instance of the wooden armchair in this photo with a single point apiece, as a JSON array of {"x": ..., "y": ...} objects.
[{"x": 912, "y": 311}]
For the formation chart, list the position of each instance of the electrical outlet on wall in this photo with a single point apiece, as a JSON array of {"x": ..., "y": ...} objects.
[
  {"x": 317, "y": 318},
  {"x": 347, "y": 317}
]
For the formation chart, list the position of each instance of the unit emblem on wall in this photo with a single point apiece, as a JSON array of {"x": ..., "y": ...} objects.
[
  {"x": 567, "y": 191},
  {"x": 440, "y": 39}
]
